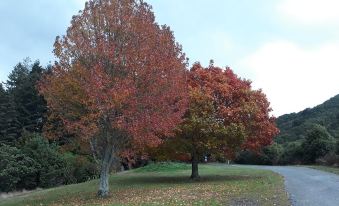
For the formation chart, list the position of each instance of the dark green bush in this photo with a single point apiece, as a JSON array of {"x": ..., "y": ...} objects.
[
  {"x": 51, "y": 170},
  {"x": 17, "y": 170},
  {"x": 292, "y": 153},
  {"x": 37, "y": 163},
  {"x": 272, "y": 153},
  {"x": 252, "y": 158},
  {"x": 269, "y": 155},
  {"x": 79, "y": 168},
  {"x": 317, "y": 143},
  {"x": 330, "y": 159}
]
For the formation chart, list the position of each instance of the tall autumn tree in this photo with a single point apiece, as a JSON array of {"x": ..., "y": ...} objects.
[
  {"x": 119, "y": 82},
  {"x": 224, "y": 116}
]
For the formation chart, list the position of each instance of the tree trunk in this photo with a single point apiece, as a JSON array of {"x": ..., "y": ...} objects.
[
  {"x": 94, "y": 150},
  {"x": 195, "y": 170},
  {"x": 104, "y": 174}
]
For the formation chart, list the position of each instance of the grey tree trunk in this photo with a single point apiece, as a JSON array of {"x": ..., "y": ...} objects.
[
  {"x": 94, "y": 150},
  {"x": 104, "y": 173},
  {"x": 195, "y": 169}
]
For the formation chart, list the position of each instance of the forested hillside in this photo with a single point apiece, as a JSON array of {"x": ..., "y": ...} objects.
[
  {"x": 293, "y": 126},
  {"x": 308, "y": 137}
]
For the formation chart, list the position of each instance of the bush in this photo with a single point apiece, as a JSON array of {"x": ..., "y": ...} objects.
[
  {"x": 269, "y": 155},
  {"x": 79, "y": 168},
  {"x": 249, "y": 157},
  {"x": 329, "y": 159},
  {"x": 51, "y": 169},
  {"x": 272, "y": 153},
  {"x": 317, "y": 144},
  {"x": 337, "y": 147},
  {"x": 292, "y": 153},
  {"x": 37, "y": 163},
  {"x": 17, "y": 170}
]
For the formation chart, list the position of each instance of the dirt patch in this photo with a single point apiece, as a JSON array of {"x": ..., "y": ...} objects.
[
  {"x": 5, "y": 195},
  {"x": 244, "y": 202}
]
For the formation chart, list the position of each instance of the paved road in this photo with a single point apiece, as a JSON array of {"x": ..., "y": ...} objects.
[{"x": 308, "y": 187}]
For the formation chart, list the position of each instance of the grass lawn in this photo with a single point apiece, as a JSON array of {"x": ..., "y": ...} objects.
[
  {"x": 169, "y": 184},
  {"x": 334, "y": 170}
]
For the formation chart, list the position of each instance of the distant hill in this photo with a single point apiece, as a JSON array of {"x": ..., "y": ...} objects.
[{"x": 294, "y": 126}]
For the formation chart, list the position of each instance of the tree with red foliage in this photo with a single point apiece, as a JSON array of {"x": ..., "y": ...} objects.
[
  {"x": 225, "y": 115},
  {"x": 119, "y": 82}
]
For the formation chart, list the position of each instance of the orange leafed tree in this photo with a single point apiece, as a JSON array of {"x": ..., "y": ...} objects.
[
  {"x": 224, "y": 116},
  {"x": 120, "y": 80}
]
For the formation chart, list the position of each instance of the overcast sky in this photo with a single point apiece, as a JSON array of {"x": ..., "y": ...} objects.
[{"x": 289, "y": 48}]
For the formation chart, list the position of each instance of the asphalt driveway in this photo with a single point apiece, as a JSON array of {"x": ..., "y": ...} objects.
[{"x": 308, "y": 187}]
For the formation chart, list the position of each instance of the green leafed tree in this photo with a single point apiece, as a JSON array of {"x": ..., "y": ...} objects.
[{"x": 317, "y": 143}]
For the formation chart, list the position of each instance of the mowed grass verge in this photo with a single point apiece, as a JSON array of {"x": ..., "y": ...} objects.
[
  {"x": 334, "y": 170},
  {"x": 169, "y": 184}
]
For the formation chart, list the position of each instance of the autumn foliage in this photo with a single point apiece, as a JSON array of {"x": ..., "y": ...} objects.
[
  {"x": 225, "y": 115},
  {"x": 119, "y": 79},
  {"x": 120, "y": 85}
]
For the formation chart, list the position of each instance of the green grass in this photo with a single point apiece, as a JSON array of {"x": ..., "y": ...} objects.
[
  {"x": 164, "y": 167},
  {"x": 169, "y": 184},
  {"x": 334, "y": 170}
]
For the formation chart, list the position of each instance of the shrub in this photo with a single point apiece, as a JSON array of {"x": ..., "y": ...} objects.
[
  {"x": 292, "y": 153},
  {"x": 79, "y": 168},
  {"x": 249, "y": 157},
  {"x": 51, "y": 170},
  {"x": 37, "y": 163},
  {"x": 337, "y": 147},
  {"x": 317, "y": 143},
  {"x": 272, "y": 154},
  {"x": 17, "y": 170},
  {"x": 269, "y": 155},
  {"x": 329, "y": 159}
]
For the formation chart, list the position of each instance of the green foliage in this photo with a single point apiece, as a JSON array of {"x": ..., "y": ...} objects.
[
  {"x": 292, "y": 153},
  {"x": 9, "y": 125},
  {"x": 29, "y": 161},
  {"x": 22, "y": 88},
  {"x": 51, "y": 170},
  {"x": 330, "y": 159},
  {"x": 250, "y": 157},
  {"x": 294, "y": 126},
  {"x": 305, "y": 136},
  {"x": 79, "y": 168},
  {"x": 269, "y": 155},
  {"x": 317, "y": 144},
  {"x": 337, "y": 147},
  {"x": 18, "y": 170},
  {"x": 273, "y": 153},
  {"x": 37, "y": 163}
]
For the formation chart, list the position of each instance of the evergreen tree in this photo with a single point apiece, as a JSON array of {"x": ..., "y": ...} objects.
[
  {"x": 9, "y": 125},
  {"x": 30, "y": 106}
]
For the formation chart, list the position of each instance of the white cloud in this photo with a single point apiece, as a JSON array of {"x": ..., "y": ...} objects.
[
  {"x": 295, "y": 78},
  {"x": 310, "y": 12},
  {"x": 204, "y": 46}
]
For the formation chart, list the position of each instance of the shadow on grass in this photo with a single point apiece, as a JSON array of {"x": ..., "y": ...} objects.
[{"x": 144, "y": 180}]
